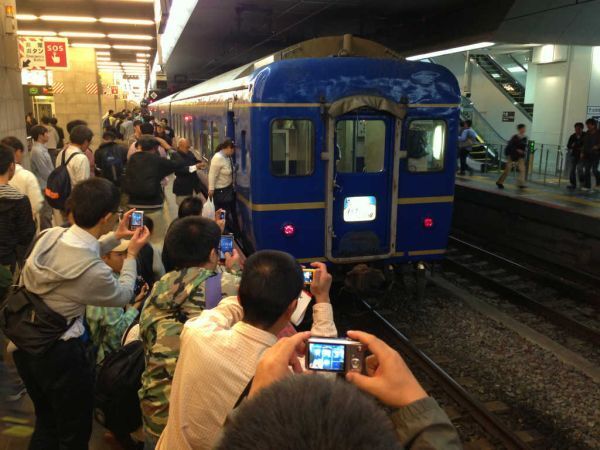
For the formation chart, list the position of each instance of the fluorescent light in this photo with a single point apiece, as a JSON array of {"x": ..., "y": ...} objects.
[
  {"x": 81, "y": 34},
  {"x": 109, "y": 63},
  {"x": 132, "y": 47},
  {"x": 495, "y": 75},
  {"x": 140, "y": 55},
  {"x": 134, "y": 64},
  {"x": 89, "y": 45},
  {"x": 449, "y": 51},
  {"x": 175, "y": 25},
  {"x": 102, "y": 58},
  {"x": 35, "y": 33},
  {"x": 126, "y": 21},
  {"x": 69, "y": 18},
  {"x": 137, "y": 37},
  {"x": 26, "y": 17},
  {"x": 103, "y": 53},
  {"x": 515, "y": 69}
]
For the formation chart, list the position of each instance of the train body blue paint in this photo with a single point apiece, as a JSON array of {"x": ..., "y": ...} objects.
[{"x": 340, "y": 159}]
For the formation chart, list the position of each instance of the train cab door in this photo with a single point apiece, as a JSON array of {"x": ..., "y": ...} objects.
[{"x": 362, "y": 199}]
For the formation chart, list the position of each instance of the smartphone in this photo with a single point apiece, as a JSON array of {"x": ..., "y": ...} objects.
[
  {"x": 137, "y": 220},
  {"x": 226, "y": 246},
  {"x": 335, "y": 355},
  {"x": 222, "y": 215},
  {"x": 309, "y": 275}
]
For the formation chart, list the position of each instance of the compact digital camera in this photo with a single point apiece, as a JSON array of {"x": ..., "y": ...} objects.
[{"x": 335, "y": 355}]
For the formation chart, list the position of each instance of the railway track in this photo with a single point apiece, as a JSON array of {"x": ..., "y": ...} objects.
[
  {"x": 493, "y": 426},
  {"x": 563, "y": 303}
]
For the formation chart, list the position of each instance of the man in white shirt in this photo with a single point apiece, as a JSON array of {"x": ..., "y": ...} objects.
[
  {"x": 41, "y": 166},
  {"x": 23, "y": 180},
  {"x": 221, "y": 348},
  {"x": 79, "y": 166}
]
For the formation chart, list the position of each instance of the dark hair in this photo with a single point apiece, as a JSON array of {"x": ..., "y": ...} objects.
[
  {"x": 520, "y": 126},
  {"x": 75, "y": 123},
  {"x": 579, "y": 125},
  {"x": 164, "y": 120},
  {"x": 147, "y": 128},
  {"x": 110, "y": 111},
  {"x": 93, "y": 199},
  {"x": 137, "y": 123},
  {"x": 13, "y": 142},
  {"x": 7, "y": 157},
  {"x": 190, "y": 206},
  {"x": 80, "y": 134},
  {"x": 46, "y": 120},
  {"x": 468, "y": 123},
  {"x": 189, "y": 241},
  {"x": 53, "y": 120},
  {"x": 147, "y": 143},
  {"x": 225, "y": 144},
  {"x": 109, "y": 135},
  {"x": 149, "y": 223},
  {"x": 591, "y": 121},
  {"x": 37, "y": 131},
  {"x": 270, "y": 282},
  {"x": 309, "y": 412}
]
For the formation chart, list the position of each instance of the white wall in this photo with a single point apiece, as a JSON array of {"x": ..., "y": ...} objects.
[{"x": 594, "y": 95}]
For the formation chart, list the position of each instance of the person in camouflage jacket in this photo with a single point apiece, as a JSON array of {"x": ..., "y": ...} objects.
[{"x": 178, "y": 296}]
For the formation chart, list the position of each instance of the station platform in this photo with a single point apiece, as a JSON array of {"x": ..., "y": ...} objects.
[{"x": 547, "y": 221}]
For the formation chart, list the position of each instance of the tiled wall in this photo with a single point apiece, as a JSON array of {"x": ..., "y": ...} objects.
[{"x": 12, "y": 118}]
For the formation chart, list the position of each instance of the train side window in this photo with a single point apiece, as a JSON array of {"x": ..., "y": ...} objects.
[
  {"x": 292, "y": 147},
  {"x": 426, "y": 143},
  {"x": 360, "y": 146},
  {"x": 214, "y": 137},
  {"x": 244, "y": 150},
  {"x": 204, "y": 138}
]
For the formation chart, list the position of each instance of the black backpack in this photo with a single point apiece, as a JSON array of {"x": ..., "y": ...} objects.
[
  {"x": 116, "y": 402},
  {"x": 112, "y": 165},
  {"x": 58, "y": 186}
]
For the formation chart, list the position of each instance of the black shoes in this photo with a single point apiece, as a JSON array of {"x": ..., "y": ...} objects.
[{"x": 500, "y": 185}]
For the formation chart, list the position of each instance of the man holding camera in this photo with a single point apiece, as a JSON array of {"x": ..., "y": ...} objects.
[{"x": 221, "y": 348}]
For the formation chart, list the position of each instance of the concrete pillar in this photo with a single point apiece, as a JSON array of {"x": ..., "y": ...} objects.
[{"x": 12, "y": 119}]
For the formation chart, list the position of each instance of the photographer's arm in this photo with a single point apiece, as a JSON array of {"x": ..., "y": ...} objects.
[{"x": 323, "y": 323}]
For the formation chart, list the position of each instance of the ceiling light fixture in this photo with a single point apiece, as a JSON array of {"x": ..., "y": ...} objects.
[
  {"x": 103, "y": 58},
  {"x": 35, "y": 33},
  {"x": 89, "y": 45},
  {"x": 81, "y": 34},
  {"x": 449, "y": 51},
  {"x": 145, "y": 55},
  {"x": 69, "y": 19},
  {"x": 132, "y": 47},
  {"x": 175, "y": 25},
  {"x": 102, "y": 53},
  {"x": 137, "y": 37},
  {"x": 27, "y": 17},
  {"x": 126, "y": 21}
]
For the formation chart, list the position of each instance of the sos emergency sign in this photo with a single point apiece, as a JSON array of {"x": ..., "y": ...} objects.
[{"x": 56, "y": 53}]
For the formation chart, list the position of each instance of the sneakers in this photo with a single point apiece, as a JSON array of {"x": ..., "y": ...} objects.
[
  {"x": 15, "y": 391},
  {"x": 500, "y": 185}
]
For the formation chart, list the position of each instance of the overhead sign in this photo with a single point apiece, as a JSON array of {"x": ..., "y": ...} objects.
[
  {"x": 39, "y": 53},
  {"x": 508, "y": 116},
  {"x": 114, "y": 90},
  {"x": 593, "y": 112},
  {"x": 56, "y": 53},
  {"x": 131, "y": 77},
  {"x": 39, "y": 90}
]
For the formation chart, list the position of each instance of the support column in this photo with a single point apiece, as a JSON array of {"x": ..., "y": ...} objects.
[{"x": 12, "y": 119}]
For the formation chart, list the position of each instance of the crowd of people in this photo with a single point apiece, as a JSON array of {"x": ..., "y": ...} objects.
[{"x": 218, "y": 360}]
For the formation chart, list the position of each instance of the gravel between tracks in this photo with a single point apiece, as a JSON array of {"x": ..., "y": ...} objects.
[{"x": 554, "y": 398}]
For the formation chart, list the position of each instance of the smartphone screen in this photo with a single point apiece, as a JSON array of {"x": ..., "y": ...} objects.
[
  {"x": 222, "y": 215},
  {"x": 226, "y": 245},
  {"x": 137, "y": 220},
  {"x": 309, "y": 275},
  {"x": 329, "y": 357}
]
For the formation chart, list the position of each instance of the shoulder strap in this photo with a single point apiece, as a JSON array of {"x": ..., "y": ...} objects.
[
  {"x": 244, "y": 393},
  {"x": 70, "y": 157}
]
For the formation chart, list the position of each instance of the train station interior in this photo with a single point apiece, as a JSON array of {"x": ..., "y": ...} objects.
[{"x": 425, "y": 172}]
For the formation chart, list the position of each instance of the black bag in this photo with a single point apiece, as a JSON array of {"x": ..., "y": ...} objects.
[
  {"x": 112, "y": 166},
  {"x": 225, "y": 195},
  {"x": 116, "y": 402},
  {"x": 29, "y": 323},
  {"x": 58, "y": 187}
]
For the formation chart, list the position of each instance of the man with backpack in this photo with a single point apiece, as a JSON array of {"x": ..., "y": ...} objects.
[
  {"x": 110, "y": 159},
  {"x": 515, "y": 152},
  {"x": 65, "y": 273}
]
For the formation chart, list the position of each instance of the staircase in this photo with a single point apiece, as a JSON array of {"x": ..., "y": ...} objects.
[{"x": 507, "y": 84}]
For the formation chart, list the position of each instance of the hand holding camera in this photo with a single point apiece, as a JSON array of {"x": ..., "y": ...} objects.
[
  {"x": 388, "y": 377},
  {"x": 141, "y": 236},
  {"x": 320, "y": 281}
]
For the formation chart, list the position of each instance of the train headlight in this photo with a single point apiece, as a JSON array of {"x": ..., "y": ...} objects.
[
  {"x": 288, "y": 229},
  {"x": 428, "y": 222}
]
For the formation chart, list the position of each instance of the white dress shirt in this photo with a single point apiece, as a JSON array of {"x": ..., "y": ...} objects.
[
  {"x": 78, "y": 167},
  {"x": 218, "y": 358},
  {"x": 27, "y": 184},
  {"x": 220, "y": 174},
  {"x": 53, "y": 137}
]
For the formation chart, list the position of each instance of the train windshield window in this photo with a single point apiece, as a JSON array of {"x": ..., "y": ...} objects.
[
  {"x": 426, "y": 145},
  {"x": 361, "y": 146},
  {"x": 292, "y": 143}
]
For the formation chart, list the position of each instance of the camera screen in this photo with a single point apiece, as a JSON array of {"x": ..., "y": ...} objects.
[
  {"x": 326, "y": 357},
  {"x": 226, "y": 246},
  {"x": 308, "y": 276},
  {"x": 137, "y": 220}
]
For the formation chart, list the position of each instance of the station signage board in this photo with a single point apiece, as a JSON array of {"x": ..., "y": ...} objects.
[
  {"x": 508, "y": 116},
  {"x": 39, "y": 53},
  {"x": 114, "y": 90}
]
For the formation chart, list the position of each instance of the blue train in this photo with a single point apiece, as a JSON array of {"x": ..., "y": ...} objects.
[{"x": 345, "y": 152}]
